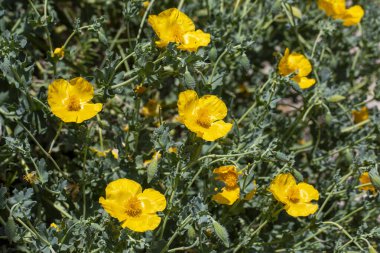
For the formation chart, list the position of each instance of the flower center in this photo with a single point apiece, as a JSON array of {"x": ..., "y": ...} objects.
[
  {"x": 73, "y": 104},
  {"x": 134, "y": 207},
  {"x": 294, "y": 195},
  {"x": 230, "y": 179},
  {"x": 204, "y": 119}
]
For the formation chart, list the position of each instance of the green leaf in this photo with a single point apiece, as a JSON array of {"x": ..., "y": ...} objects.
[
  {"x": 221, "y": 232},
  {"x": 152, "y": 169}
]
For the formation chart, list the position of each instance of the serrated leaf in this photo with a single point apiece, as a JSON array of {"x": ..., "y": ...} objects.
[{"x": 221, "y": 232}]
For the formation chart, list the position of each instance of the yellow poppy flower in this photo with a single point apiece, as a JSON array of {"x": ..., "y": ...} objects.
[
  {"x": 299, "y": 64},
  {"x": 231, "y": 191},
  {"x": 151, "y": 109},
  {"x": 365, "y": 179},
  {"x": 361, "y": 115},
  {"x": 296, "y": 197},
  {"x": 70, "y": 101},
  {"x": 337, "y": 10},
  {"x": 59, "y": 52},
  {"x": 172, "y": 25},
  {"x": 134, "y": 208},
  {"x": 203, "y": 116}
]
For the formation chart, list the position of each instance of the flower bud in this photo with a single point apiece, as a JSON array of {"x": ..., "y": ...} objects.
[{"x": 375, "y": 178}]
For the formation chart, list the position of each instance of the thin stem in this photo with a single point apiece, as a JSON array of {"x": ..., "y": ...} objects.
[
  {"x": 143, "y": 20},
  {"x": 344, "y": 232},
  {"x": 55, "y": 137}
]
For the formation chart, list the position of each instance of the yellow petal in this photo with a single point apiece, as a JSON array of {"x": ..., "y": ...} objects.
[
  {"x": 227, "y": 197},
  {"x": 81, "y": 88},
  {"x": 307, "y": 192},
  {"x": 353, "y": 15},
  {"x": 332, "y": 7},
  {"x": 217, "y": 130},
  {"x": 87, "y": 112},
  {"x": 304, "y": 82},
  {"x": 225, "y": 169},
  {"x": 185, "y": 102},
  {"x": 57, "y": 92},
  {"x": 301, "y": 209},
  {"x": 121, "y": 189},
  {"x": 170, "y": 25},
  {"x": 114, "y": 207},
  {"x": 142, "y": 223},
  {"x": 191, "y": 41},
  {"x": 361, "y": 115},
  {"x": 153, "y": 201},
  {"x": 365, "y": 179},
  {"x": 213, "y": 106},
  {"x": 281, "y": 186}
]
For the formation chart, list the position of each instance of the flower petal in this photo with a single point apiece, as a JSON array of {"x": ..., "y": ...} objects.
[
  {"x": 142, "y": 223},
  {"x": 122, "y": 189},
  {"x": 185, "y": 102},
  {"x": 353, "y": 15},
  {"x": 114, "y": 208},
  {"x": 191, "y": 41},
  {"x": 57, "y": 92},
  {"x": 227, "y": 197},
  {"x": 170, "y": 25},
  {"x": 301, "y": 209},
  {"x": 217, "y": 130},
  {"x": 304, "y": 82},
  {"x": 215, "y": 108},
  {"x": 81, "y": 88},
  {"x": 225, "y": 169},
  {"x": 281, "y": 185},
  {"x": 307, "y": 192},
  {"x": 153, "y": 201}
]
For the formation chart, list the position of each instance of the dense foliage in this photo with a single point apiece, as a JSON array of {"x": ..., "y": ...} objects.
[{"x": 53, "y": 173}]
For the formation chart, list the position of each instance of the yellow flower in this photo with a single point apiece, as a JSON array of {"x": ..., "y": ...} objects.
[
  {"x": 360, "y": 116},
  {"x": 31, "y": 177},
  {"x": 296, "y": 197},
  {"x": 299, "y": 64},
  {"x": 151, "y": 109},
  {"x": 126, "y": 128},
  {"x": 173, "y": 150},
  {"x": 203, "y": 116},
  {"x": 337, "y": 10},
  {"x": 59, "y": 52},
  {"x": 53, "y": 225},
  {"x": 70, "y": 101},
  {"x": 231, "y": 191},
  {"x": 172, "y": 25},
  {"x": 134, "y": 208},
  {"x": 156, "y": 156},
  {"x": 365, "y": 179}
]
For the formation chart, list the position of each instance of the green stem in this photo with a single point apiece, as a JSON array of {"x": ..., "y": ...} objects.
[{"x": 55, "y": 137}]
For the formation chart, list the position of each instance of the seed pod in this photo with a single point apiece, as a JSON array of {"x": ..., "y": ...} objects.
[{"x": 335, "y": 98}]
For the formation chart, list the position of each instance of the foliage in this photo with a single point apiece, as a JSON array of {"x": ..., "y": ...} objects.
[{"x": 49, "y": 174}]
